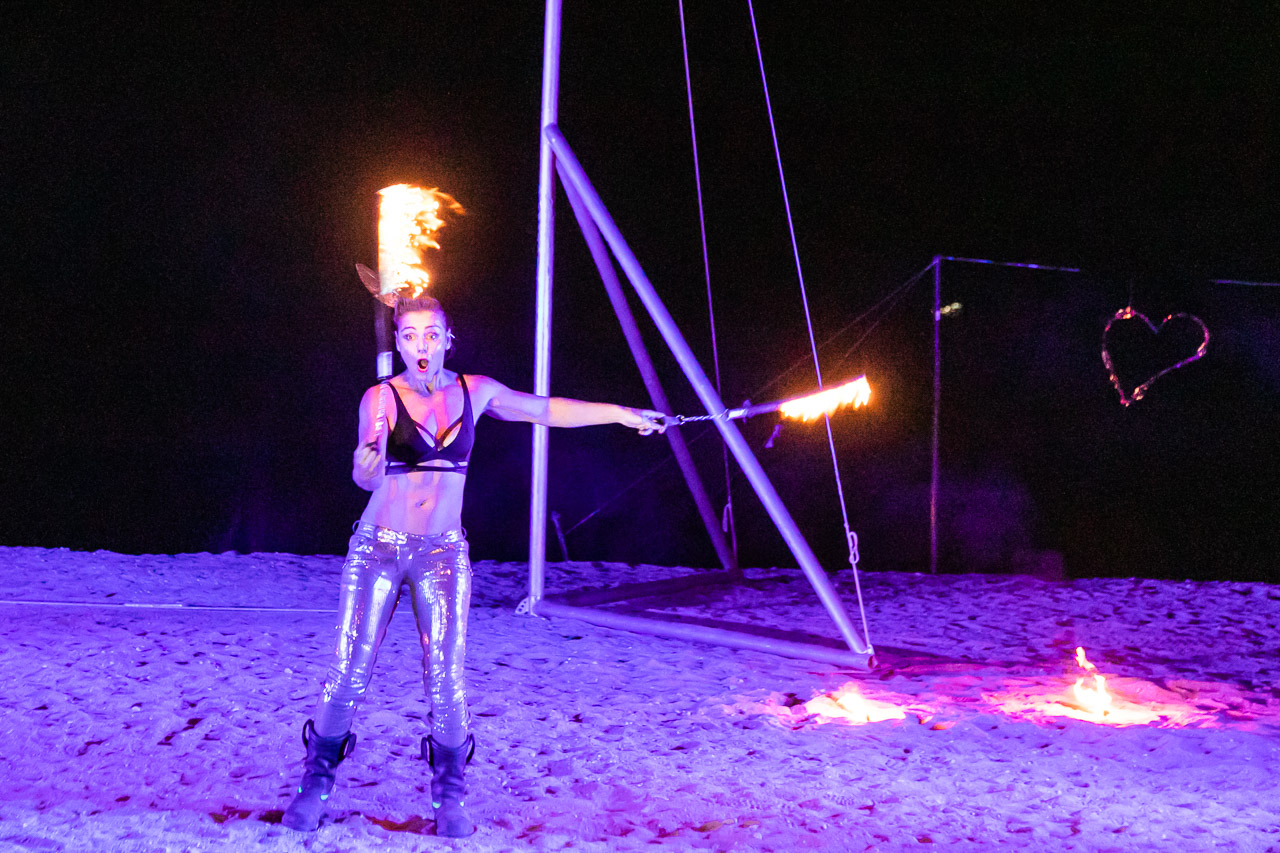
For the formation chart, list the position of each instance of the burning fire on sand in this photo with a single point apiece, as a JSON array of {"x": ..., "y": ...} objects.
[
  {"x": 1095, "y": 699},
  {"x": 1083, "y": 693},
  {"x": 849, "y": 704}
]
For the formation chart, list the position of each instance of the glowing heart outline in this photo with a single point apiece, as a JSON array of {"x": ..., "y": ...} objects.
[{"x": 1127, "y": 313}]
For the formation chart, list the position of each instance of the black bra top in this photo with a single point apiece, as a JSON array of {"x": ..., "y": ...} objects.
[{"x": 408, "y": 449}]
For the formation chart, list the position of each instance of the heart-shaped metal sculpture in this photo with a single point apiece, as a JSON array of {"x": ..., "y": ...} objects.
[{"x": 1127, "y": 313}]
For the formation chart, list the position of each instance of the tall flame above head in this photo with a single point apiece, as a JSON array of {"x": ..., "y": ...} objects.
[
  {"x": 855, "y": 393},
  {"x": 408, "y": 222}
]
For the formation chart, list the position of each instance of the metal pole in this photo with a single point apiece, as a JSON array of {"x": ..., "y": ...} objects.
[
  {"x": 177, "y": 607},
  {"x": 937, "y": 403},
  {"x": 542, "y": 334},
  {"x": 384, "y": 360},
  {"x": 600, "y": 254},
  {"x": 709, "y": 634},
  {"x": 935, "y": 476},
  {"x": 1024, "y": 266},
  {"x": 640, "y": 590},
  {"x": 573, "y": 171}
]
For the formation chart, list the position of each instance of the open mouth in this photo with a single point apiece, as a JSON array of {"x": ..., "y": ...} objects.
[{"x": 422, "y": 364}]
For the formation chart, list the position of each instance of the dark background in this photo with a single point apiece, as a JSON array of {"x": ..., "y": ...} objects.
[{"x": 185, "y": 192}]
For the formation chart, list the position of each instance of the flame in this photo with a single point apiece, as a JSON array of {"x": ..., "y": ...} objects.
[
  {"x": 408, "y": 222},
  {"x": 856, "y": 393},
  {"x": 848, "y": 703},
  {"x": 1095, "y": 699},
  {"x": 1135, "y": 703}
]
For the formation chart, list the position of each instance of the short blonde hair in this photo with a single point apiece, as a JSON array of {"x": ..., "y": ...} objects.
[{"x": 409, "y": 304}]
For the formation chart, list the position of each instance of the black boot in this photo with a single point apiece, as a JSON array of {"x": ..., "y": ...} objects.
[
  {"x": 448, "y": 785},
  {"x": 324, "y": 754}
]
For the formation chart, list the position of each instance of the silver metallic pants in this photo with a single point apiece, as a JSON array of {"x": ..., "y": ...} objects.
[{"x": 437, "y": 571}]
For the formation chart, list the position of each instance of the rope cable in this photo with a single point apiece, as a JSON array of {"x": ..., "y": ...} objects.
[
  {"x": 897, "y": 297},
  {"x": 727, "y": 517},
  {"x": 893, "y": 298},
  {"x": 851, "y": 538}
]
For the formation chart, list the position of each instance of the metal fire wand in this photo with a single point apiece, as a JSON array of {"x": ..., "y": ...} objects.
[{"x": 383, "y": 334}]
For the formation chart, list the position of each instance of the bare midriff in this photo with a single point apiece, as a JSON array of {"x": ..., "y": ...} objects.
[{"x": 419, "y": 502}]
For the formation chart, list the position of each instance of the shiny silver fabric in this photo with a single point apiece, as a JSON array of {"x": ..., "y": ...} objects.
[{"x": 437, "y": 571}]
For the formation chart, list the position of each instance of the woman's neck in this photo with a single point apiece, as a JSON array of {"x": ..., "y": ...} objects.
[{"x": 426, "y": 386}]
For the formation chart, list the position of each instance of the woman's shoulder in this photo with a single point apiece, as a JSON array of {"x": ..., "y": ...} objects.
[
  {"x": 477, "y": 381},
  {"x": 378, "y": 402},
  {"x": 373, "y": 391},
  {"x": 483, "y": 390}
]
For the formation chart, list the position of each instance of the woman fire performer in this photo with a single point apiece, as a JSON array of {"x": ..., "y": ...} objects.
[{"x": 411, "y": 535}]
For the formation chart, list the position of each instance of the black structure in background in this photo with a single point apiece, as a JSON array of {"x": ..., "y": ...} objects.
[
  {"x": 185, "y": 192},
  {"x": 1038, "y": 452}
]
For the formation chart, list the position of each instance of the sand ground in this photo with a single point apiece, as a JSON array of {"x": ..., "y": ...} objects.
[{"x": 131, "y": 724}]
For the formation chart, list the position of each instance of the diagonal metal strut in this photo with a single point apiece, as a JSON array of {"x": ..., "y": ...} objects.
[
  {"x": 600, "y": 254},
  {"x": 574, "y": 176}
]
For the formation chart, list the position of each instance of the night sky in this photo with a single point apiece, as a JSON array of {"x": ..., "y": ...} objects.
[{"x": 186, "y": 191}]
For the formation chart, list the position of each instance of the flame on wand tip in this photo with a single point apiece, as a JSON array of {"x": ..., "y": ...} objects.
[{"x": 855, "y": 393}]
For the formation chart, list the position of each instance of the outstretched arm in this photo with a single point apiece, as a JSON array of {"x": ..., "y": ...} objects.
[{"x": 508, "y": 405}]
